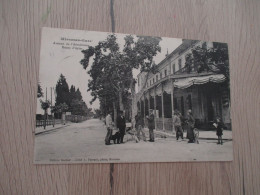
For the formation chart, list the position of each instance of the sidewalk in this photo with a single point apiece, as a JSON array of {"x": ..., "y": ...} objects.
[
  {"x": 40, "y": 130},
  {"x": 207, "y": 135}
]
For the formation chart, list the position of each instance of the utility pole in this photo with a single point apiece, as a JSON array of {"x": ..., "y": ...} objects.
[
  {"x": 52, "y": 115},
  {"x": 45, "y": 110}
]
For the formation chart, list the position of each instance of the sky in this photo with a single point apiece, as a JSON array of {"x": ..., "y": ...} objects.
[{"x": 62, "y": 56}]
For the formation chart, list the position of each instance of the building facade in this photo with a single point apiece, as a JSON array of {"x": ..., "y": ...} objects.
[{"x": 176, "y": 86}]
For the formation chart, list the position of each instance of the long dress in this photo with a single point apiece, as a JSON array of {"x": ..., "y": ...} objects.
[{"x": 191, "y": 123}]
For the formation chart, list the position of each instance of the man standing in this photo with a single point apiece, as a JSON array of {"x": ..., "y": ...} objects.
[
  {"x": 177, "y": 125},
  {"x": 109, "y": 125},
  {"x": 139, "y": 125},
  {"x": 121, "y": 125},
  {"x": 151, "y": 125}
]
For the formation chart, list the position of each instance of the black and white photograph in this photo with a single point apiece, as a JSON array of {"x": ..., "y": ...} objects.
[{"x": 122, "y": 98}]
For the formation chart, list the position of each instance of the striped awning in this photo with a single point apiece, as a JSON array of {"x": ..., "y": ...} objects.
[{"x": 183, "y": 83}]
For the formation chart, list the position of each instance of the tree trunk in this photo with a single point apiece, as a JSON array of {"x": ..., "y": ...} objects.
[
  {"x": 115, "y": 113},
  {"x": 134, "y": 110},
  {"x": 121, "y": 105},
  {"x": 45, "y": 118},
  {"x": 132, "y": 87}
]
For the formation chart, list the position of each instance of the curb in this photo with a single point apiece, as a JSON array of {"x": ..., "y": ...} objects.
[
  {"x": 51, "y": 130},
  {"x": 200, "y": 138}
]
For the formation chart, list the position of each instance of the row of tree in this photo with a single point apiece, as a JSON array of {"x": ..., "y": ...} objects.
[{"x": 67, "y": 100}]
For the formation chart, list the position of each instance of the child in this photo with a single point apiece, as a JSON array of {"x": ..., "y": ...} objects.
[{"x": 219, "y": 127}]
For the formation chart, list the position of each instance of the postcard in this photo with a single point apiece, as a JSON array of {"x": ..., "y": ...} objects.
[{"x": 121, "y": 98}]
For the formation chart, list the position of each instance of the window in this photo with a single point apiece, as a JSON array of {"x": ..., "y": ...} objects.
[
  {"x": 179, "y": 64},
  {"x": 173, "y": 68},
  {"x": 156, "y": 77},
  {"x": 153, "y": 80},
  {"x": 165, "y": 72},
  {"x": 160, "y": 75},
  {"x": 150, "y": 82}
]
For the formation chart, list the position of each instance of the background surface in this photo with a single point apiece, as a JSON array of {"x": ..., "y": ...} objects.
[{"x": 234, "y": 22}]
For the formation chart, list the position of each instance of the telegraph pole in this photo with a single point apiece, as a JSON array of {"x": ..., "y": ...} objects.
[
  {"x": 45, "y": 110},
  {"x": 52, "y": 115}
]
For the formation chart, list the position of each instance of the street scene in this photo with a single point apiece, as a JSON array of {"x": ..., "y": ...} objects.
[
  {"x": 73, "y": 142},
  {"x": 108, "y": 97}
]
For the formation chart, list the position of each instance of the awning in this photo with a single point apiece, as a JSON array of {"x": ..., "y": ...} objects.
[{"x": 187, "y": 82}]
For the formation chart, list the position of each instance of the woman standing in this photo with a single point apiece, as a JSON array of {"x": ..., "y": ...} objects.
[{"x": 191, "y": 123}]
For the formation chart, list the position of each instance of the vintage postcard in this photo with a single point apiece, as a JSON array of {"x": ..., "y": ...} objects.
[{"x": 120, "y": 98}]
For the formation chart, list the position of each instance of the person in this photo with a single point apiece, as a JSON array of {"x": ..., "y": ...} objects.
[
  {"x": 139, "y": 125},
  {"x": 121, "y": 125},
  {"x": 182, "y": 121},
  {"x": 219, "y": 132},
  {"x": 177, "y": 125},
  {"x": 109, "y": 125},
  {"x": 191, "y": 124},
  {"x": 151, "y": 125}
]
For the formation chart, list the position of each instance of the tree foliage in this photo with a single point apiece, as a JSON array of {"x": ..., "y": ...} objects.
[
  {"x": 60, "y": 108},
  {"x": 39, "y": 91},
  {"x": 112, "y": 69},
  {"x": 62, "y": 91},
  {"x": 69, "y": 99},
  {"x": 214, "y": 59},
  {"x": 45, "y": 104}
]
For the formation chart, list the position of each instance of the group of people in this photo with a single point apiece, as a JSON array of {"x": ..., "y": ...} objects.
[
  {"x": 121, "y": 126},
  {"x": 139, "y": 125},
  {"x": 178, "y": 123}
]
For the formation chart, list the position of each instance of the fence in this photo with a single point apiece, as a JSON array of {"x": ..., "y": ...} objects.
[
  {"x": 41, "y": 123},
  {"x": 167, "y": 124},
  {"x": 159, "y": 124}
]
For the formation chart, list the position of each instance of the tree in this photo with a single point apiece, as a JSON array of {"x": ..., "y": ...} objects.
[
  {"x": 139, "y": 55},
  {"x": 78, "y": 95},
  {"x": 39, "y": 91},
  {"x": 62, "y": 91},
  {"x": 112, "y": 69},
  {"x": 98, "y": 113},
  {"x": 60, "y": 108},
  {"x": 45, "y": 105},
  {"x": 79, "y": 107},
  {"x": 108, "y": 72},
  {"x": 188, "y": 62},
  {"x": 219, "y": 59},
  {"x": 214, "y": 58}
]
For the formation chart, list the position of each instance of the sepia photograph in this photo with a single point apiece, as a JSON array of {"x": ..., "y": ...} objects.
[{"x": 122, "y": 98}]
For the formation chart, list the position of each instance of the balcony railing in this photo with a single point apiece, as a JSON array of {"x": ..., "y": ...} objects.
[{"x": 192, "y": 69}]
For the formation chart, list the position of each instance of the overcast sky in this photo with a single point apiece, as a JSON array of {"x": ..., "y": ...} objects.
[{"x": 55, "y": 60}]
